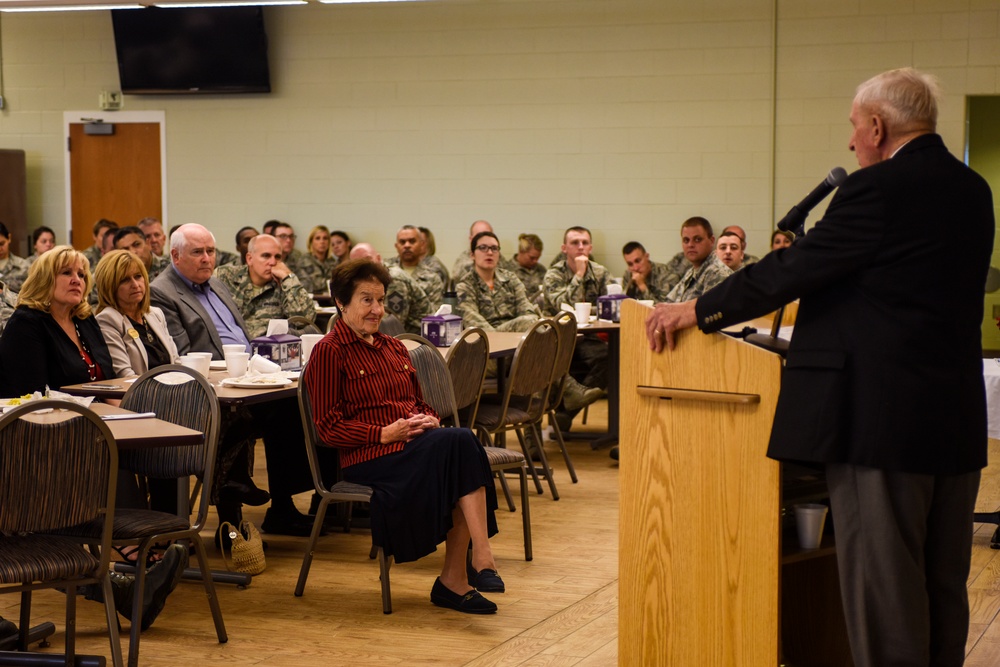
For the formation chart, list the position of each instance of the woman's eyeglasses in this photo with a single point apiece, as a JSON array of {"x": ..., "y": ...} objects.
[{"x": 488, "y": 248}]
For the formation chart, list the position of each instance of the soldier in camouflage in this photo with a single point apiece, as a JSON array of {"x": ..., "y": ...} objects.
[
  {"x": 13, "y": 269},
  {"x": 408, "y": 242},
  {"x": 706, "y": 270},
  {"x": 490, "y": 297},
  {"x": 404, "y": 298},
  {"x": 729, "y": 250},
  {"x": 134, "y": 240},
  {"x": 646, "y": 279},
  {"x": 265, "y": 288},
  {"x": 577, "y": 278},
  {"x": 527, "y": 268},
  {"x": 463, "y": 265},
  {"x": 428, "y": 257},
  {"x": 290, "y": 255},
  {"x": 748, "y": 259},
  {"x": 316, "y": 264},
  {"x": 94, "y": 252},
  {"x": 8, "y": 302}
]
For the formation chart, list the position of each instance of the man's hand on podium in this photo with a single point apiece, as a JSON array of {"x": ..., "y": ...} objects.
[{"x": 667, "y": 318}]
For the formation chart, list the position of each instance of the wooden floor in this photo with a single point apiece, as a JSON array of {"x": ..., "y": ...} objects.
[{"x": 559, "y": 609}]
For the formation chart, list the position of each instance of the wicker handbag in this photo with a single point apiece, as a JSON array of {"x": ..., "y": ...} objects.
[{"x": 247, "y": 548}]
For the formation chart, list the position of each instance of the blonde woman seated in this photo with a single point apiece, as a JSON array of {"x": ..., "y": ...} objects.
[
  {"x": 491, "y": 297},
  {"x": 136, "y": 333}
]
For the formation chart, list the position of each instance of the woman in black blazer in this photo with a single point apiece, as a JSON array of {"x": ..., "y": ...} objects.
[{"x": 51, "y": 339}]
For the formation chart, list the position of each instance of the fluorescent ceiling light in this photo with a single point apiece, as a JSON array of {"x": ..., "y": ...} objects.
[
  {"x": 65, "y": 8},
  {"x": 222, "y": 3}
]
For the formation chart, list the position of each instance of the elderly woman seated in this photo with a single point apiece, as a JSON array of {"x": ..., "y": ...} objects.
[{"x": 430, "y": 484}]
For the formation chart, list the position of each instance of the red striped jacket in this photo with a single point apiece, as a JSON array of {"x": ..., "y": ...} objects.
[{"x": 356, "y": 388}]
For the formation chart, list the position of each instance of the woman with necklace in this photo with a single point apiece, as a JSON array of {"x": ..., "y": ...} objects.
[
  {"x": 51, "y": 339},
  {"x": 136, "y": 333}
]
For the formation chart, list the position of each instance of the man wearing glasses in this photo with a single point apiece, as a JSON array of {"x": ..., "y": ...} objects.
[{"x": 290, "y": 255}]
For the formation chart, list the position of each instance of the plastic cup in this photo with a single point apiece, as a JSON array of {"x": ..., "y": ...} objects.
[
  {"x": 199, "y": 364},
  {"x": 308, "y": 341},
  {"x": 582, "y": 311},
  {"x": 809, "y": 520},
  {"x": 233, "y": 347},
  {"x": 236, "y": 363}
]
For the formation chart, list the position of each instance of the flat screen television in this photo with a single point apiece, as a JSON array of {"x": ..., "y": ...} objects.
[{"x": 185, "y": 50}]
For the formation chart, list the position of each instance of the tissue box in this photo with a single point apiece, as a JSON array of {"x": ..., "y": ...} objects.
[
  {"x": 609, "y": 307},
  {"x": 282, "y": 349},
  {"x": 442, "y": 330}
]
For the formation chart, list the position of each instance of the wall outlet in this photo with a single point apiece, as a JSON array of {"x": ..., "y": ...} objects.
[{"x": 111, "y": 100}]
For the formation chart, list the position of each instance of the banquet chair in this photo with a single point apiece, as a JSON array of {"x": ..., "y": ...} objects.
[
  {"x": 566, "y": 326},
  {"x": 182, "y": 396},
  {"x": 467, "y": 360},
  {"x": 302, "y": 325},
  {"x": 55, "y": 474},
  {"x": 525, "y": 392},
  {"x": 340, "y": 492},
  {"x": 435, "y": 380},
  {"x": 390, "y": 325}
]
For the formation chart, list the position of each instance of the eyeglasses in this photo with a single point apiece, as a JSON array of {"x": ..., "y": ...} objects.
[
  {"x": 488, "y": 248},
  {"x": 285, "y": 237}
]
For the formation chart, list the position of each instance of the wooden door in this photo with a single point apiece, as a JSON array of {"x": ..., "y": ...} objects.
[{"x": 116, "y": 176}]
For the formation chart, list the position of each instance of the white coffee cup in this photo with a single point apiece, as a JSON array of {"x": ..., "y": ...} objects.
[
  {"x": 236, "y": 363},
  {"x": 197, "y": 363},
  {"x": 646, "y": 302},
  {"x": 233, "y": 347},
  {"x": 308, "y": 341},
  {"x": 809, "y": 521},
  {"x": 582, "y": 311}
]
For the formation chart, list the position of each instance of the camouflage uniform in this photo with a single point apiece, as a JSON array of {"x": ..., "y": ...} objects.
[
  {"x": 406, "y": 299},
  {"x": 696, "y": 282},
  {"x": 315, "y": 274},
  {"x": 679, "y": 265},
  {"x": 532, "y": 280},
  {"x": 428, "y": 280},
  {"x": 464, "y": 264},
  {"x": 504, "y": 308},
  {"x": 273, "y": 301},
  {"x": 748, "y": 260},
  {"x": 93, "y": 255},
  {"x": 8, "y": 302},
  {"x": 13, "y": 271},
  {"x": 659, "y": 282},
  {"x": 438, "y": 267},
  {"x": 562, "y": 286},
  {"x": 226, "y": 258},
  {"x": 294, "y": 261},
  {"x": 158, "y": 266}
]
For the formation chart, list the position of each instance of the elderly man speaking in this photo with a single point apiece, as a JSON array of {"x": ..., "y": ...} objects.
[{"x": 883, "y": 383}]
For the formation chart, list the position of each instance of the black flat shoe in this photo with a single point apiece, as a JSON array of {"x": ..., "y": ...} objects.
[
  {"x": 288, "y": 523},
  {"x": 470, "y": 603},
  {"x": 243, "y": 494},
  {"x": 486, "y": 580}
]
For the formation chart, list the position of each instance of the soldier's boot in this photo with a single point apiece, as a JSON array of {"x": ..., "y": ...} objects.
[{"x": 577, "y": 396}]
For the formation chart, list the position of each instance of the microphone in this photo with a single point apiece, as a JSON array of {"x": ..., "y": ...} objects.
[{"x": 796, "y": 217}]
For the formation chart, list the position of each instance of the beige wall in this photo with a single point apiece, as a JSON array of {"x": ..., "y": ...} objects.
[{"x": 626, "y": 116}]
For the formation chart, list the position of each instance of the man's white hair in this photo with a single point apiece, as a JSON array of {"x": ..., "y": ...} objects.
[
  {"x": 179, "y": 240},
  {"x": 906, "y": 99}
]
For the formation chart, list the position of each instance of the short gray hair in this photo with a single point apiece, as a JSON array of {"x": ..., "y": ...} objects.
[
  {"x": 179, "y": 240},
  {"x": 905, "y": 98}
]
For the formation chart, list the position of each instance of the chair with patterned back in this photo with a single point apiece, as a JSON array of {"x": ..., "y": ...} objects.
[
  {"x": 57, "y": 470},
  {"x": 566, "y": 325},
  {"x": 523, "y": 401},
  {"x": 340, "y": 492},
  {"x": 333, "y": 320},
  {"x": 181, "y": 396},
  {"x": 467, "y": 359},
  {"x": 390, "y": 325},
  {"x": 302, "y": 325},
  {"x": 436, "y": 387}
]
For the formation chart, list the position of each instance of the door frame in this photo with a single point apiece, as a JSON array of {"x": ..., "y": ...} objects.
[{"x": 70, "y": 117}]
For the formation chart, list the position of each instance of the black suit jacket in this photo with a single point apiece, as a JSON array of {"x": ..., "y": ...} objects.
[
  {"x": 884, "y": 368},
  {"x": 35, "y": 352},
  {"x": 190, "y": 325}
]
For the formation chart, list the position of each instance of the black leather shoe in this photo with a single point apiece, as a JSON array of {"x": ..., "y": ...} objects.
[
  {"x": 614, "y": 453},
  {"x": 288, "y": 523},
  {"x": 470, "y": 603},
  {"x": 6, "y": 628},
  {"x": 486, "y": 580},
  {"x": 243, "y": 494},
  {"x": 161, "y": 580}
]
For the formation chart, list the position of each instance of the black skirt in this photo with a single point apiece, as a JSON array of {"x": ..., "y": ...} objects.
[{"x": 416, "y": 489}]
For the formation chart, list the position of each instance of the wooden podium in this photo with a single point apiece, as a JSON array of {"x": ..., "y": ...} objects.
[{"x": 700, "y": 563}]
